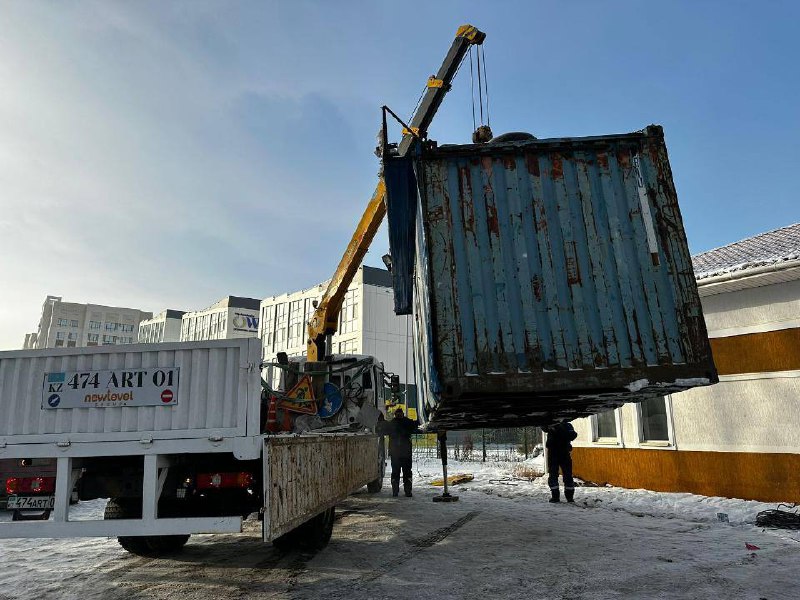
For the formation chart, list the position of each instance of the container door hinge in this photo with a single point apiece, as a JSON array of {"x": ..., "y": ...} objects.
[
  {"x": 146, "y": 440},
  {"x": 64, "y": 444},
  {"x": 2, "y": 443},
  {"x": 215, "y": 438}
]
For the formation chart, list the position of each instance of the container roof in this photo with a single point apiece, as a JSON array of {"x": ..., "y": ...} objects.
[{"x": 770, "y": 248}]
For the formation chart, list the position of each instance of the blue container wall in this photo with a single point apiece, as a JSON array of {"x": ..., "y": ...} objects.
[{"x": 555, "y": 266}]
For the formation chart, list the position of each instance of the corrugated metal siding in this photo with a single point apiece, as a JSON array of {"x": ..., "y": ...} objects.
[
  {"x": 555, "y": 266},
  {"x": 212, "y": 393},
  {"x": 306, "y": 475}
]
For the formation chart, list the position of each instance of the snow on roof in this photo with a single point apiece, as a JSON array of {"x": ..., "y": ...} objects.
[{"x": 773, "y": 247}]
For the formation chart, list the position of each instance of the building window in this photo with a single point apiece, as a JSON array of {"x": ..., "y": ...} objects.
[
  {"x": 94, "y": 324},
  {"x": 73, "y": 323},
  {"x": 60, "y": 335},
  {"x": 93, "y": 337},
  {"x": 63, "y": 322},
  {"x": 59, "y": 343},
  {"x": 604, "y": 426},
  {"x": 268, "y": 327},
  {"x": 348, "y": 347},
  {"x": 72, "y": 335},
  {"x": 70, "y": 344},
  {"x": 109, "y": 339},
  {"x": 348, "y": 316},
  {"x": 296, "y": 314},
  {"x": 654, "y": 421},
  {"x": 111, "y": 326},
  {"x": 281, "y": 325}
]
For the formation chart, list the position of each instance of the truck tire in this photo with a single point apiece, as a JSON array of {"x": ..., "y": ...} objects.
[
  {"x": 375, "y": 486},
  {"x": 320, "y": 530},
  {"x": 151, "y": 545},
  {"x": 314, "y": 534}
]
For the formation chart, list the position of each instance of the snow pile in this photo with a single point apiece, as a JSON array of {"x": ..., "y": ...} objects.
[{"x": 510, "y": 480}]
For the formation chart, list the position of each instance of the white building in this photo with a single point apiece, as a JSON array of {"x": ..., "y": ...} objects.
[
  {"x": 70, "y": 325},
  {"x": 741, "y": 437},
  {"x": 164, "y": 327},
  {"x": 367, "y": 323},
  {"x": 229, "y": 318}
]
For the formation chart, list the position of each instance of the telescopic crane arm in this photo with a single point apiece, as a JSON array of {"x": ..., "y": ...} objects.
[{"x": 324, "y": 322}]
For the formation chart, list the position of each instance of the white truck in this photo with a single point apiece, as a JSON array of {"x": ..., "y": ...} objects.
[{"x": 175, "y": 435}]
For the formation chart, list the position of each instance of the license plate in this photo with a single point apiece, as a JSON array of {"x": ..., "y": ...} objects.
[{"x": 31, "y": 502}]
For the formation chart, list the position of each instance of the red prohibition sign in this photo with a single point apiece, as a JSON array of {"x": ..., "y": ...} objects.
[{"x": 166, "y": 396}]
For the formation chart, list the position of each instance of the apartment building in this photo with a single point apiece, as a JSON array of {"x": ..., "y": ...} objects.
[
  {"x": 75, "y": 325},
  {"x": 367, "y": 323},
  {"x": 229, "y": 318},
  {"x": 164, "y": 327}
]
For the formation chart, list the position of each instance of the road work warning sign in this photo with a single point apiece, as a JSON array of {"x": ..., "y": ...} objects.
[{"x": 300, "y": 398}]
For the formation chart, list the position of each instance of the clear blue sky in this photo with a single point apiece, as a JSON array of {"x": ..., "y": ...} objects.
[{"x": 163, "y": 155}]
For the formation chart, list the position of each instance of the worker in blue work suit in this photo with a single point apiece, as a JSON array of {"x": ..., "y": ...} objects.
[
  {"x": 400, "y": 429},
  {"x": 559, "y": 447}
]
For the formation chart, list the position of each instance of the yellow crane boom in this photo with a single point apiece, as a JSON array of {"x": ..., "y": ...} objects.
[{"x": 324, "y": 321}]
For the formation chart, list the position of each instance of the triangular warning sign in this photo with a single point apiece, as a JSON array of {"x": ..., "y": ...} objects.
[{"x": 300, "y": 398}]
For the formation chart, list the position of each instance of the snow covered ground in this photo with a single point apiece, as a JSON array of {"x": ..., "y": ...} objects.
[{"x": 501, "y": 540}]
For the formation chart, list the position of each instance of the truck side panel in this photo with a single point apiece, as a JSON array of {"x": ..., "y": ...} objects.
[
  {"x": 305, "y": 475},
  {"x": 216, "y": 393}
]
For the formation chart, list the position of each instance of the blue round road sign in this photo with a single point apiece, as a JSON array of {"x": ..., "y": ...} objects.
[{"x": 53, "y": 400}]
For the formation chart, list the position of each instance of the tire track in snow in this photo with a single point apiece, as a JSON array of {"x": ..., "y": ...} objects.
[{"x": 417, "y": 544}]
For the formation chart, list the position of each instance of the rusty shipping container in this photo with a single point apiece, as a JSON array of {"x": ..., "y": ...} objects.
[{"x": 549, "y": 279}]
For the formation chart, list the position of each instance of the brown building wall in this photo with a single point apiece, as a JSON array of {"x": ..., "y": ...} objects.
[
  {"x": 752, "y": 476},
  {"x": 757, "y": 352}
]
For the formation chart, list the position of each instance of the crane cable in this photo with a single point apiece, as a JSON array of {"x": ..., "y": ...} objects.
[
  {"x": 482, "y": 87},
  {"x": 485, "y": 83}
]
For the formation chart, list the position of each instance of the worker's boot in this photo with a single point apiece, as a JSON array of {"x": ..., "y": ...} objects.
[
  {"x": 556, "y": 496},
  {"x": 569, "y": 495},
  {"x": 395, "y": 486},
  {"x": 407, "y": 487}
]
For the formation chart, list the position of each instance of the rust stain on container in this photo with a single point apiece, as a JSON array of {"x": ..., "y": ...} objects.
[
  {"x": 624, "y": 159},
  {"x": 536, "y": 283},
  {"x": 557, "y": 171},
  {"x": 532, "y": 162},
  {"x": 491, "y": 220}
]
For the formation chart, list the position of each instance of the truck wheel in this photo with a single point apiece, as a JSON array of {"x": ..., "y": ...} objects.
[
  {"x": 288, "y": 541},
  {"x": 375, "y": 486},
  {"x": 152, "y": 545},
  {"x": 318, "y": 531},
  {"x": 166, "y": 544},
  {"x": 314, "y": 534}
]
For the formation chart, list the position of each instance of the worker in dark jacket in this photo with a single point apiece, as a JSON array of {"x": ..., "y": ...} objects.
[
  {"x": 399, "y": 431},
  {"x": 559, "y": 447}
]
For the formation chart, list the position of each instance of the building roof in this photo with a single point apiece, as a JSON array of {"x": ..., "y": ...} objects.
[
  {"x": 770, "y": 248},
  {"x": 232, "y": 302},
  {"x": 376, "y": 276}
]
